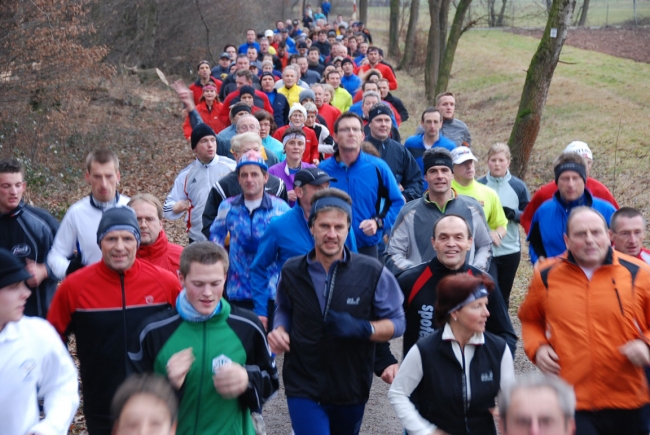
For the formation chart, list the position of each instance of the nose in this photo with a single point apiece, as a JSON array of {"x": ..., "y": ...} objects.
[{"x": 25, "y": 293}]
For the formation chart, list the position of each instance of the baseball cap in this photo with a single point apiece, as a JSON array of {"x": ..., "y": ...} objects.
[
  {"x": 462, "y": 154},
  {"x": 302, "y": 44},
  {"x": 313, "y": 176},
  {"x": 579, "y": 147},
  {"x": 224, "y": 55},
  {"x": 12, "y": 270},
  {"x": 252, "y": 158},
  {"x": 268, "y": 33}
]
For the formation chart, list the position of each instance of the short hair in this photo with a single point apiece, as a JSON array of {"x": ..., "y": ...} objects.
[
  {"x": 329, "y": 88},
  {"x": 245, "y": 73},
  {"x": 317, "y": 85},
  {"x": 430, "y": 109},
  {"x": 347, "y": 115},
  {"x": 145, "y": 384},
  {"x": 263, "y": 115},
  {"x": 242, "y": 56},
  {"x": 374, "y": 48},
  {"x": 225, "y": 47},
  {"x": 294, "y": 130},
  {"x": 252, "y": 47},
  {"x": 334, "y": 71},
  {"x": 314, "y": 48},
  {"x": 310, "y": 107},
  {"x": 102, "y": 156},
  {"x": 363, "y": 86},
  {"x": 369, "y": 148},
  {"x": 331, "y": 192},
  {"x": 238, "y": 139},
  {"x": 623, "y": 212},
  {"x": 566, "y": 397},
  {"x": 569, "y": 158},
  {"x": 207, "y": 253},
  {"x": 147, "y": 197},
  {"x": 447, "y": 216},
  {"x": 265, "y": 63},
  {"x": 454, "y": 289},
  {"x": 579, "y": 210},
  {"x": 370, "y": 94},
  {"x": 444, "y": 94},
  {"x": 12, "y": 166},
  {"x": 290, "y": 67},
  {"x": 383, "y": 80},
  {"x": 371, "y": 72},
  {"x": 497, "y": 148}
]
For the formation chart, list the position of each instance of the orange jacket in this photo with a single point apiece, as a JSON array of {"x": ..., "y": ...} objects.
[
  {"x": 210, "y": 117},
  {"x": 586, "y": 322}
]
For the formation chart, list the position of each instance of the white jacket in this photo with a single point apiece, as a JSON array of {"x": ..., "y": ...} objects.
[
  {"x": 79, "y": 225},
  {"x": 35, "y": 364},
  {"x": 194, "y": 183}
]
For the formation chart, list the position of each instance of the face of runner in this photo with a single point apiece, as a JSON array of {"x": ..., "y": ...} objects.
[
  {"x": 210, "y": 95},
  {"x": 247, "y": 98},
  {"x": 431, "y": 124},
  {"x": 535, "y": 411},
  {"x": 204, "y": 286},
  {"x": 289, "y": 77},
  {"x": 472, "y": 317},
  {"x": 452, "y": 242},
  {"x": 118, "y": 250},
  {"x": 373, "y": 57},
  {"x": 587, "y": 239},
  {"x": 252, "y": 181},
  {"x": 330, "y": 229},
  {"x": 247, "y": 123},
  {"x": 439, "y": 180},
  {"x": 12, "y": 302},
  {"x": 265, "y": 128},
  {"x": 334, "y": 79},
  {"x": 383, "y": 88},
  {"x": 311, "y": 119},
  {"x": 294, "y": 149},
  {"x": 629, "y": 234},
  {"x": 349, "y": 135},
  {"x": 206, "y": 149},
  {"x": 103, "y": 179},
  {"x": 498, "y": 164},
  {"x": 464, "y": 172},
  {"x": 380, "y": 127},
  {"x": 144, "y": 414},
  {"x": 447, "y": 106},
  {"x": 297, "y": 118},
  {"x": 12, "y": 188},
  {"x": 148, "y": 221},
  {"x": 367, "y": 105},
  {"x": 571, "y": 185}
]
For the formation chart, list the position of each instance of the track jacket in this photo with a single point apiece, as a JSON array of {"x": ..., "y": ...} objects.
[
  {"x": 162, "y": 253},
  {"x": 401, "y": 162},
  {"x": 234, "y": 335},
  {"x": 245, "y": 230},
  {"x": 311, "y": 142},
  {"x": 586, "y": 321},
  {"x": 488, "y": 199},
  {"x": 78, "y": 231},
  {"x": 28, "y": 233},
  {"x": 103, "y": 308},
  {"x": 194, "y": 185},
  {"x": 546, "y": 236},
  {"x": 456, "y": 130},
  {"x": 410, "y": 242},
  {"x": 374, "y": 191},
  {"x": 35, "y": 364}
]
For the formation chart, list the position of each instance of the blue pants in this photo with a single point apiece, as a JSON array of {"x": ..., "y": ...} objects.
[{"x": 312, "y": 418}]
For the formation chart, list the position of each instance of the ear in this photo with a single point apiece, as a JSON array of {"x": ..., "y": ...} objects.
[
  {"x": 118, "y": 176},
  {"x": 87, "y": 176},
  {"x": 471, "y": 243},
  {"x": 611, "y": 236},
  {"x": 266, "y": 178},
  {"x": 566, "y": 240}
]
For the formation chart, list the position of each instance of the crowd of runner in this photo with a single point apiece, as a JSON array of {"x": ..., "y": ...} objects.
[{"x": 317, "y": 232}]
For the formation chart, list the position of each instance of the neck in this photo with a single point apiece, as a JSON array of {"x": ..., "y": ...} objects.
[
  {"x": 205, "y": 81},
  {"x": 349, "y": 156},
  {"x": 379, "y": 138},
  {"x": 430, "y": 140},
  {"x": 327, "y": 260},
  {"x": 439, "y": 198},
  {"x": 463, "y": 183},
  {"x": 206, "y": 162},
  {"x": 461, "y": 334},
  {"x": 254, "y": 197},
  {"x": 293, "y": 164},
  {"x": 306, "y": 209}
]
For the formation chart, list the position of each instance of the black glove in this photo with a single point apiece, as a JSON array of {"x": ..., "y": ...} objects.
[
  {"x": 75, "y": 264},
  {"x": 344, "y": 325},
  {"x": 510, "y": 213}
]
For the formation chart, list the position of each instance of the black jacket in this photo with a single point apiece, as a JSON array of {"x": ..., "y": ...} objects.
[
  {"x": 398, "y": 105},
  {"x": 419, "y": 287},
  {"x": 28, "y": 232},
  {"x": 404, "y": 167},
  {"x": 227, "y": 187},
  {"x": 280, "y": 109}
]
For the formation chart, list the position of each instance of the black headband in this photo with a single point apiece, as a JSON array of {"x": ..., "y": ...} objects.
[
  {"x": 432, "y": 160},
  {"x": 571, "y": 166}
]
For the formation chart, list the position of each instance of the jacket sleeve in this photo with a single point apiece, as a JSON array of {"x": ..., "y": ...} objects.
[
  {"x": 529, "y": 212},
  {"x": 218, "y": 229},
  {"x": 392, "y": 80},
  {"x": 383, "y": 358},
  {"x": 401, "y": 109},
  {"x": 187, "y": 128},
  {"x": 412, "y": 179},
  {"x": 176, "y": 194},
  {"x": 524, "y": 199},
  {"x": 65, "y": 243},
  {"x": 498, "y": 322},
  {"x": 482, "y": 240},
  {"x": 60, "y": 312},
  {"x": 210, "y": 210},
  {"x": 533, "y": 319},
  {"x": 263, "y": 380},
  {"x": 259, "y": 271},
  {"x": 535, "y": 241},
  {"x": 398, "y": 251},
  {"x": 394, "y": 195}
]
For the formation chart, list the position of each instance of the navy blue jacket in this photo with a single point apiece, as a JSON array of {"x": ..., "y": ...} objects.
[
  {"x": 401, "y": 162},
  {"x": 280, "y": 108}
]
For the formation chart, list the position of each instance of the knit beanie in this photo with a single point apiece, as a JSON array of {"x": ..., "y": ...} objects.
[
  {"x": 12, "y": 270},
  {"x": 307, "y": 93},
  {"x": 199, "y": 132},
  {"x": 117, "y": 219},
  {"x": 299, "y": 107}
]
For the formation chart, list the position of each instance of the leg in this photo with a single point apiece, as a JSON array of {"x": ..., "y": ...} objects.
[
  {"x": 620, "y": 421},
  {"x": 345, "y": 419},
  {"x": 307, "y": 417},
  {"x": 586, "y": 423},
  {"x": 507, "y": 266}
]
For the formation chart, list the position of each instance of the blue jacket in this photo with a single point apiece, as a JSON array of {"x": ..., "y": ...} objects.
[
  {"x": 546, "y": 236},
  {"x": 351, "y": 83},
  {"x": 244, "y": 47},
  {"x": 361, "y": 181},
  {"x": 415, "y": 144},
  {"x": 356, "y": 108},
  {"x": 286, "y": 236},
  {"x": 245, "y": 230},
  {"x": 280, "y": 107}
]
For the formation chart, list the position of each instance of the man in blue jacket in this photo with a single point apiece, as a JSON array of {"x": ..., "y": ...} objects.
[{"x": 368, "y": 180}]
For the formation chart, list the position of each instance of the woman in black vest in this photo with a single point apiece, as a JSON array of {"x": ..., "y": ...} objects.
[{"x": 448, "y": 381}]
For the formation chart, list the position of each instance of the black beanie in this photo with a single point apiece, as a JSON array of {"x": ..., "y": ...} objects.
[
  {"x": 12, "y": 270},
  {"x": 247, "y": 90},
  {"x": 118, "y": 218},
  {"x": 570, "y": 166},
  {"x": 380, "y": 109},
  {"x": 199, "y": 132}
]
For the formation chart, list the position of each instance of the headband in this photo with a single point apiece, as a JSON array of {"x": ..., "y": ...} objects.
[
  {"x": 288, "y": 137},
  {"x": 431, "y": 160},
  {"x": 330, "y": 201},
  {"x": 479, "y": 293},
  {"x": 207, "y": 87},
  {"x": 571, "y": 166}
]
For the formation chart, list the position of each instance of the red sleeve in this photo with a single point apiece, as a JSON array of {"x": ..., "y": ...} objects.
[
  {"x": 543, "y": 194},
  {"x": 217, "y": 83},
  {"x": 198, "y": 92},
  {"x": 599, "y": 190},
  {"x": 398, "y": 117},
  {"x": 278, "y": 133},
  {"x": 225, "y": 110},
  {"x": 60, "y": 313},
  {"x": 358, "y": 96},
  {"x": 314, "y": 147},
  {"x": 388, "y": 75},
  {"x": 187, "y": 127}
]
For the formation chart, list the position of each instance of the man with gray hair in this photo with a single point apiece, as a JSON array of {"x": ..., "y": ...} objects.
[{"x": 537, "y": 404}]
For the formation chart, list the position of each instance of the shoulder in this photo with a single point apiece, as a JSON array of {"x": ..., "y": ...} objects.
[
  {"x": 246, "y": 317},
  {"x": 413, "y": 141},
  {"x": 37, "y": 329},
  {"x": 483, "y": 180},
  {"x": 163, "y": 276},
  {"x": 356, "y": 260},
  {"x": 407, "y": 278},
  {"x": 458, "y": 123}
]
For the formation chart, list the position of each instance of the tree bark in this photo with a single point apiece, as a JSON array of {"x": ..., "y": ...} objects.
[
  {"x": 363, "y": 11},
  {"x": 502, "y": 13},
  {"x": 409, "y": 44},
  {"x": 433, "y": 52},
  {"x": 492, "y": 17},
  {"x": 444, "y": 21},
  {"x": 393, "y": 29},
  {"x": 538, "y": 80},
  {"x": 452, "y": 44},
  {"x": 583, "y": 14}
]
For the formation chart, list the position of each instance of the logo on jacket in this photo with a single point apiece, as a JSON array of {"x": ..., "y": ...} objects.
[
  {"x": 193, "y": 180},
  {"x": 22, "y": 250},
  {"x": 426, "y": 320},
  {"x": 219, "y": 362},
  {"x": 353, "y": 301},
  {"x": 27, "y": 367},
  {"x": 487, "y": 377},
  {"x": 149, "y": 300}
]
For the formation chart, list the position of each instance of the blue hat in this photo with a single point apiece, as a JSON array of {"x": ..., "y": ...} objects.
[
  {"x": 252, "y": 158},
  {"x": 117, "y": 219}
]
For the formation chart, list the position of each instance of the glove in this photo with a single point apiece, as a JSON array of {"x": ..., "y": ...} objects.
[
  {"x": 510, "y": 213},
  {"x": 75, "y": 264},
  {"x": 344, "y": 325}
]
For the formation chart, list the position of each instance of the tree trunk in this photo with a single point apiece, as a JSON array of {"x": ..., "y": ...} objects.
[
  {"x": 393, "y": 29},
  {"x": 433, "y": 52},
  {"x": 363, "y": 11},
  {"x": 583, "y": 14},
  {"x": 444, "y": 20},
  {"x": 538, "y": 80},
  {"x": 452, "y": 44},
  {"x": 409, "y": 44},
  {"x": 502, "y": 13},
  {"x": 492, "y": 18}
]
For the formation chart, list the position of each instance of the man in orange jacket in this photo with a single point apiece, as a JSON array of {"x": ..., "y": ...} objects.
[{"x": 586, "y": 318}]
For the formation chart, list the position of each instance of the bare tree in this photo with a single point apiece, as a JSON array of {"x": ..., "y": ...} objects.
[
  {"x": 538, "y": 80},
  {"x": 432, "y": 67},
  {"x": 363, "y": 10},
  {"x": 583, "y": 13},
  {"x": 393, "y": 29},
  {"x": 502, "y": 13},
  {"x": 452, "y": 43},
  {"x": 409, "y": 43}
]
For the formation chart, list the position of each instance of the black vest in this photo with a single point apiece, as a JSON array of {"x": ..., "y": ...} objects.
[
  {"x": 320, "y": 367},
  {"x": 441, "y": 394}
]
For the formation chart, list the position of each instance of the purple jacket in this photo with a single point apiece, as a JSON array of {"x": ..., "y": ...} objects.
[{"x": 281, "y": 171}]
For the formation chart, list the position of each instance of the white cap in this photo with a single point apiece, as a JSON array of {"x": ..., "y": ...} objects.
[
  {"x": 462, "y": 154},
  {"x": 268, "y": 33},
  {"x": 579, "y": 147},
  {"x": 297, "y": 107}
]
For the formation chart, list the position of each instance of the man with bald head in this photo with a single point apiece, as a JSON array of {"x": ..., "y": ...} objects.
[{"x": 586, "y": 319}]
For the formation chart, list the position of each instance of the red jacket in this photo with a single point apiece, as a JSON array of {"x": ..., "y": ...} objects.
[
  {"x": 311, "y": 143},
  {"x": 385, "y": 70},
  {"x": 162, "y": 253},
  {"x": 210, "y": 117},
  {"x": 224, "y": 116},
  {"x": 197, "y": 88},
  {"x": 546, "y": 192},
  {"x": 330, "y": 114}
]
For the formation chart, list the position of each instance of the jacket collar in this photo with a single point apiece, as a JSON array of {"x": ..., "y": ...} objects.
[
  {"x": 503, "y": 179},
  {"x": 437, "y": 267},
  {"x": 586, "y": 199},
  {"x": 156, "y": 249},
  {"x": 267, "y": 203},
  {"x": 610, "y": 258},
  {"x": 15, "y": 212},
  {"x": 92, "y": 201}
]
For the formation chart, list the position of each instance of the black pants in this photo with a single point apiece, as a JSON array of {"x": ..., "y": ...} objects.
[
  {"x": 608, "y": 422},
  {"x": 506, "y": 270}
]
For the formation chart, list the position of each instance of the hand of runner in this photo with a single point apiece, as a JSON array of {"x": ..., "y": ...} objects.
[
  {"x": 178, "y": 366},
  {"x": 389, "y": 373},
  {"x": 547, "y": 360},
  {"x": 369, "y": 227},
  {"x": 37, "y": 271},
  {"x": 279, "y": 340},
  {"x": 637, "y": 352},
  {"x": 231, "y": 381}
]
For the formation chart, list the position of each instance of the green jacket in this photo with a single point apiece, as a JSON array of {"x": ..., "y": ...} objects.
[{"x": 234, "y": 335}]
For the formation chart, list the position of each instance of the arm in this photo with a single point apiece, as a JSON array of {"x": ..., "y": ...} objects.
[
  {"x": 394, "y": 196},
  {"x": 408, "y": 378},
  {"x": 388, "y": 307},
  {"x": 482, "y": 239},
  {"x": 532, "y": 316},
  {"x": 392, "y": 80},
  {"x": 535, "y": 242},
  {"x": 412, "y": 178},
  {"x": 177, "y": 194},
  {"x": 524, "y": 199},
  {"x": 219, "y": 229},
  {"x": 64, "y": 245},
  {"x": 267, "y": 254},
  {"x": 383, "y": 358},
  {"x": 543, "y": 193},
  {"x": 211, "y": 208},
  {"x": 59, "y": 388},
  {"x": 399, "y": 252},
  {"x": 60, "y": 313}
]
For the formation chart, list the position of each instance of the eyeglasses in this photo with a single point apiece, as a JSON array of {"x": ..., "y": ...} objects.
[{"x": 349, "y": 130}]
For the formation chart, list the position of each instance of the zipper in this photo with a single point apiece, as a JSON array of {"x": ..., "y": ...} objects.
[
  {"x": 201, "y": 372},
  {"x": 328, "y": 290},
  {"x": 39, "y": 304},
  {"x": 465, "y": 398},
  {"x": 126, "y": 362}
]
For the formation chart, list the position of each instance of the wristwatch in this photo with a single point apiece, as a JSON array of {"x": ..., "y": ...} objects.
[{"x": 379, "y": 222}]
